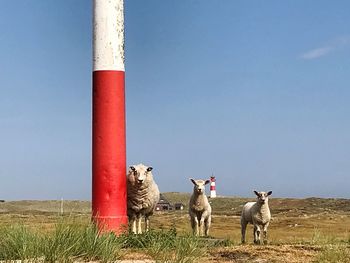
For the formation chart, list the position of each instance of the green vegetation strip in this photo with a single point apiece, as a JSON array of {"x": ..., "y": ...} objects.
[{"x": 71, "y": 241}]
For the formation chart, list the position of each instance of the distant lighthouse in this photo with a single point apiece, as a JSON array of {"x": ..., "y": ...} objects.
[{"x": 212, "y": 187}]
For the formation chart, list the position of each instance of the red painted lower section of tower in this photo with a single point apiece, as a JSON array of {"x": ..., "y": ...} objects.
[{"x": 109, "y": 206}]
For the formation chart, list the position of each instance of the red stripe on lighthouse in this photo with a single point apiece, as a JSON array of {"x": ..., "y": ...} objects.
[{"x": 109, "y": 164}]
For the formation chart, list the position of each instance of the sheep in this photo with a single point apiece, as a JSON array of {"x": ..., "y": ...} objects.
[
  {"x": 199, "y": 208},
  {"x": 143, "y": 195},
  {"x": 258, "y": 214}
]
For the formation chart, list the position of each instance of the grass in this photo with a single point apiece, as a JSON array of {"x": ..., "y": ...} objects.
[
  {"x": 338, "y": 253},
  {"x": 167, "y": 246},
  {"x": 302, "y": 230},
  {"x": 17, "y": 242},
  {"x": 68, "y": 240},
  {"x": 72, "y": 240}
]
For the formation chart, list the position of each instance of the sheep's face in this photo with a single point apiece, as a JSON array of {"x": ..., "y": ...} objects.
[
  {"x": 199, "y": 185},
  {"x": 263, "y": 197},
  {"x": 140, "y": 173}
]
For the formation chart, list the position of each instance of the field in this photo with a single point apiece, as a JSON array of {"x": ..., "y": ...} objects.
[{"x": 302, "y": 230}]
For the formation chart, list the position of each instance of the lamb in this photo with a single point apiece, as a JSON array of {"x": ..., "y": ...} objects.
[
  {"x": 199, "y": 208},
  {"x": 258, "y": 214},
  {"x": 143, "y": 195}
]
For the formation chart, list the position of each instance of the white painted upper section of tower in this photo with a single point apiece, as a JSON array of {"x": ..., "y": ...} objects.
[{"x": 108, "y": 35}]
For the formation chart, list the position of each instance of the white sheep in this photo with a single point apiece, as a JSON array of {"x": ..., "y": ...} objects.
[
  {"x": 199, "y": 208},
  {"x": 258, "y": 214},
  {"x": 143, "y": 195}
]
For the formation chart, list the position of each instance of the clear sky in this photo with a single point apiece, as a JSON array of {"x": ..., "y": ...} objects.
[{"x": 256, "y": 92}]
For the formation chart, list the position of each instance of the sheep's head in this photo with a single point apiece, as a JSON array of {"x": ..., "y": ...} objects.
[
  {"x": 263, "y": 197},
  {"x": 199, "y": 185},
  {"x": 140, "y": 174}
]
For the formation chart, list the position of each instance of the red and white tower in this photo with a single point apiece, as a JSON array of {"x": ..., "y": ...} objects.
[
  {"x": 109, "y": 209},
  {"x": 212, "y": 187}
]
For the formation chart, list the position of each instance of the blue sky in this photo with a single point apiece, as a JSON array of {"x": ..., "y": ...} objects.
[{"x": 256, "y": 92}]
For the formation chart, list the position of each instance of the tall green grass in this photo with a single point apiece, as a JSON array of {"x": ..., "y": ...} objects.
[
  {"x": 17, "y": 242},
  {"x": 332, "y": 249},
  {"x": 67, "y": 242},
  {"x": 319, "y": 238},
  {"x": 71, "y": 240},
  {"x": 338, "y": 253}
]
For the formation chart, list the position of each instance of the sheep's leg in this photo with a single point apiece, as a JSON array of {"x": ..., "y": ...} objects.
[
  {"x": 243, "y": 230},
  {"x": 194, "y": 223},
  {"x": 133, "y": 225},
  {"x": 139, "y": 229},
  {"x": 265, "y": 232},
  {"x": 201, "y": 225},
  {"x": 207, "y": 223},
  {"x": 197, "y": 226},
  {"x": 257, "y": 234},
  {"x": 147, "y": 223}
]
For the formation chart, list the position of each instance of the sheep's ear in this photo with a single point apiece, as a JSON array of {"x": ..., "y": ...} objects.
[
  {"x": 193, "y": 181},
  {"x": 257, "y": 194},
  {"x": 149, "y": 169},
  {"x": 269, "y": 193},
  {"x": 207, "y": 182},
  {"x": 132, "y": 168}
]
